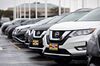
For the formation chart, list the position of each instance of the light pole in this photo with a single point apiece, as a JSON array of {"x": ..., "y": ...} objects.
[
  {"x": 64, "y": 5},
  {"x": 20, "y": 7},
  {"x": 46, "y": 11},
  {"x": 59, "y": 7},
  {"x": 24, "y": 9},
  {"x": 14, "y": 11},
  {"x": 17, "y": 11},
  {"x": 82, "y": 3},
  {"x": 70, "y": 4},
  {"x": 36, "y": 9},
  {"x": 29, "y": 9},
  {"x": 98, "y": 3}
]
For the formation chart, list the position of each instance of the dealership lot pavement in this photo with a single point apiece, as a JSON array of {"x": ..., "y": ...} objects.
[{"x": 15, "y": 54}]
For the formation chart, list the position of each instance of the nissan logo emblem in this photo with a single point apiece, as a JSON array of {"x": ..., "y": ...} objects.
[
  {"x": 38, "y": 32},
  {"x": 56, "y": 34}
]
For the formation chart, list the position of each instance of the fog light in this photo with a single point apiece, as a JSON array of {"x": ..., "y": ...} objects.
[{"x": 80, "y": 48}]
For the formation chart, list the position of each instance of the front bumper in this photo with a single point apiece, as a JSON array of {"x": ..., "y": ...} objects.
[
  {"x": 61, "y": 56},
  {"x": 38, "y": 47},
  {"x": 19, "y": 38},
  {"x": 62, "y": 53},
  {"x": 68, "y": 48}
]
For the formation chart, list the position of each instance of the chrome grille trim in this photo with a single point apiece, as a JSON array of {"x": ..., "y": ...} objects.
[
  {"x": 57, "y": 39},
  {"x": 43, "y": 33}
]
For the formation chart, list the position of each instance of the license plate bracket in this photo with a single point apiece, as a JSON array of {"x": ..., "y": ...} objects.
[
  {"x": 53, "y": 47},
  {"x": 35, "y": 42}
]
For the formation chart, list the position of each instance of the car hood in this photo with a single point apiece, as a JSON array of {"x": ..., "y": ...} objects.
[
  {"x": 11, "y": 27},
  {"x": 76, "y": 25},
  {"x": 7, "y": 23},
  {"x": 43, "y": 27},
  {"x": 25, "y": 26}
]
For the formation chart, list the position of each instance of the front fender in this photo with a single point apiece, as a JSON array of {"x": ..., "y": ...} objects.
[{"x": 93, "y": 48}]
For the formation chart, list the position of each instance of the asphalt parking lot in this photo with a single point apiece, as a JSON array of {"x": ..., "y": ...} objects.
[{"x": 15, "y": 54}]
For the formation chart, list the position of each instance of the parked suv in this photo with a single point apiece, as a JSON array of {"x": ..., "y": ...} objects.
[
  {"x": 36, "y": 41},
  {"x": 10, "y": 28},
  {"x": 93, "y": 44},
  {"x": 69, "y": 41},
  {"x": 4, "y": 20},
  {"x": 5, "y": 25},
  {"x": 18, "y": 33},
  {"x": 29, "y": 32}
]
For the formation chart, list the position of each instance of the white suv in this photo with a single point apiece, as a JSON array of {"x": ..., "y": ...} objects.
[{"x": 67, "y": 41}]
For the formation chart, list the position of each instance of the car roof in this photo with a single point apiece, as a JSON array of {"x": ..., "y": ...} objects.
[{"x": 83, "y": 10}]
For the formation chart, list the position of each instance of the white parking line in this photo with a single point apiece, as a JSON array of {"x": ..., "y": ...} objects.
[{"x": 16, "y": 46}]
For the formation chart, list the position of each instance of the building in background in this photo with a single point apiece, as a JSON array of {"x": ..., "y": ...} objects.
[{"x": 52, "y": 9}]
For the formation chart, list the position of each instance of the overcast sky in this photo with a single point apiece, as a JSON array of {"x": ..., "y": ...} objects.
[{"x": 73, "y": 4}]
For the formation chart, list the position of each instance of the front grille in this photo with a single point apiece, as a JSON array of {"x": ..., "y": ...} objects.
[
  {"x": 51, "y": 38},
  {"x": 40, "y": 43},
  {"x": 21, "y": 36},
  {"x": 58, "y": 42},
  {"x": 60, "y": 51},
  {"x": 38, "y": 32}
]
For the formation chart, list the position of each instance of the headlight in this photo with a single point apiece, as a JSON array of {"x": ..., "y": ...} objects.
[
  {"x": 14, "y": 32},
  {"x": 82, "y": 32},
  {"x": 22, "y": 30},
  {"x": 17, "y": 30}
]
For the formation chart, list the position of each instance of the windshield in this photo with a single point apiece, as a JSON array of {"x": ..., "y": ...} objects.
[
  {"x": 92, "y": 16},
  {"x": 19, "y": 21},
  {"x": 73, "y": 16},
  {"x": 29, "y": 22},
  {"x": 33, "y": 21},
  {"x": 57, "y": 18},
  {"x": 15, "y": 20},
  {"x": 45, "y": 20}
]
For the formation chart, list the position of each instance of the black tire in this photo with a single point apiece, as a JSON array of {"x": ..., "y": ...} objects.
[
  {"x": 94, "y": 61},
  {"x": 41, "y": 54},
  {"x": 3, "y": 29},
  {"x": 63, "y": 61},
  {"x": 26, "y": 40},
  {"x": 93, "y": 64},
  {"x": 10, "y": 34}
]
